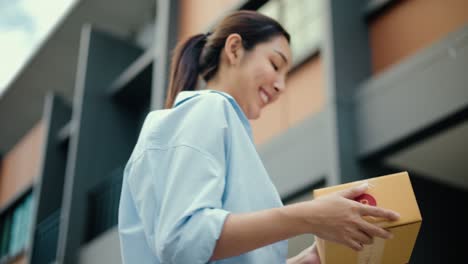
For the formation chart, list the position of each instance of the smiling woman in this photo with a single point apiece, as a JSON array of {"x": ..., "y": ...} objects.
[
  {"x": 254, "y": 78},
  {"x": 242, "y": 44},
  {"x": 195, "y": 189}
]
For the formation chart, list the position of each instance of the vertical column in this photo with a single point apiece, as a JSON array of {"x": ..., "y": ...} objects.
[
  {"x": 105, "y": 133},
  {"x": 347, "y": 63},
  {"x": 166, "y": 39},
  {"x": 49, "y": 189}
]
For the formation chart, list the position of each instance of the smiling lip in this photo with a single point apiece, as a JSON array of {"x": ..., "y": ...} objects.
[{"x": 263, "y": 91}]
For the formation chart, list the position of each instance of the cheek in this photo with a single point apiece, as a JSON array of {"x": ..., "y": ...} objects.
[
  {"x": 264, "y": 74},
  {"x": 255, "y": 74}
]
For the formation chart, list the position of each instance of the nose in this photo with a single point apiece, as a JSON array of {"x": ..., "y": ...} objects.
[{"x": 279, "y": 86}]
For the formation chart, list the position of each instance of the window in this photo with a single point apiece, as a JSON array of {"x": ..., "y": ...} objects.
[
  {"x": 46, "y": 238},
  {"x": 104, "y": 204},
  {"x": 303, "y": 20},
  {"x": 15, "y": 226}
]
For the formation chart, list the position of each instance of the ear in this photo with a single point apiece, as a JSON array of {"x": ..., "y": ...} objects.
[{"x": 234, "y": 49}]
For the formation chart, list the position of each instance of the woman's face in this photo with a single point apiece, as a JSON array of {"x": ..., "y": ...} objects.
[{"x": 260, "y": 75}]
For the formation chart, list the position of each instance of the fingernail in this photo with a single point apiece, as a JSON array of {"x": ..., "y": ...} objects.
[{"x": 363, "y": 185}]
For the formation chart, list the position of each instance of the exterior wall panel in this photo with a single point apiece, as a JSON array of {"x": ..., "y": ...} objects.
[
  {"x": 197, "y": 16},
  {"x": 21, "y": 164},
  {"x": 412, "y": 25}
]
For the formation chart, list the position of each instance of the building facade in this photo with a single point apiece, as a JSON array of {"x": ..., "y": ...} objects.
[{"x": 377, "y": 86}]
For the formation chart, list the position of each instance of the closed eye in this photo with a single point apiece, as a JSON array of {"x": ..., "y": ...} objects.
[{"x": 274, "y": 66}]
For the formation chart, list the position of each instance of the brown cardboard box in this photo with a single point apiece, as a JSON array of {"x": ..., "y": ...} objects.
[{"x": 392, "y": 192}]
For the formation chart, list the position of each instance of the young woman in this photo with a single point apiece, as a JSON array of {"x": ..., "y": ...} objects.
[{"x": 195, "y": 189}]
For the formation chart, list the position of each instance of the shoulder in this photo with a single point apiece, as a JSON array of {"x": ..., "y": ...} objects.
[
  {"x": 205, "y": 100},
  {"x": 199, "y": 121},
  {"x": 208, "y": 108}
]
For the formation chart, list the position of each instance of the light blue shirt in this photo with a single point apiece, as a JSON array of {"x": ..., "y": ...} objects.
[{"x": 192, "y": 166}]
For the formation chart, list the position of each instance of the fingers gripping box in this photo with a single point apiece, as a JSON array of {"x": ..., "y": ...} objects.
[{"x": 391, "y": 192}]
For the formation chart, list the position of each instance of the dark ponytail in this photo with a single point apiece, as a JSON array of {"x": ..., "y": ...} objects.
[
  {"x": 200, "y": 54},
  {"x": 185, "y": 67}
]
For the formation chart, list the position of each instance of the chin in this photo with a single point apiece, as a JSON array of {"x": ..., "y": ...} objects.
[{"x": 253, "y": 115}]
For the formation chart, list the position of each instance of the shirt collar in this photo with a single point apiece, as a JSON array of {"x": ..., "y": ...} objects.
[{"x": 186, "y": 95}]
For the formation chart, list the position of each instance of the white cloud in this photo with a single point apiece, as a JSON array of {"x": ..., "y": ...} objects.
[
  {"x": 24, "y": 24},
  {"x": 15, "y": 47}
]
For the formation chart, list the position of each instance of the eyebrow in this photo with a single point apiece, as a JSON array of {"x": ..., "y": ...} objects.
[{"x": 282, "y": 55}]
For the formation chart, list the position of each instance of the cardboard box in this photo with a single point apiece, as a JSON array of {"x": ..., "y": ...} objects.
[{"x": 392, "y": 192}]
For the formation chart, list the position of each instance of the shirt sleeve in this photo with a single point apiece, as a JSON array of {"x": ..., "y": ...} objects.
[{"x": 178, "y": 195}]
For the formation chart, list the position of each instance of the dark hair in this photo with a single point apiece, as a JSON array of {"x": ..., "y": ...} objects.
[{"x": 200, "y": 54}]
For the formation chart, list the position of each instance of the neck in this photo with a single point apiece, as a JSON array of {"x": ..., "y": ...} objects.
[
  {"x": 227, "y": 86},
  {"x": 218, "y": 87},
  {"x": 221, "y": 82}
]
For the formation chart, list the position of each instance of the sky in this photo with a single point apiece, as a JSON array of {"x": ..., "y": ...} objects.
[{"x": 24, "y": 25}]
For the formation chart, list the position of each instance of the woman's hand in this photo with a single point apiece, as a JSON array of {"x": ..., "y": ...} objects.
[
  {"x": 333, "y": 217},
  {"x": 337, "y": 217},
  {"x": 307, "y": 256}
]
